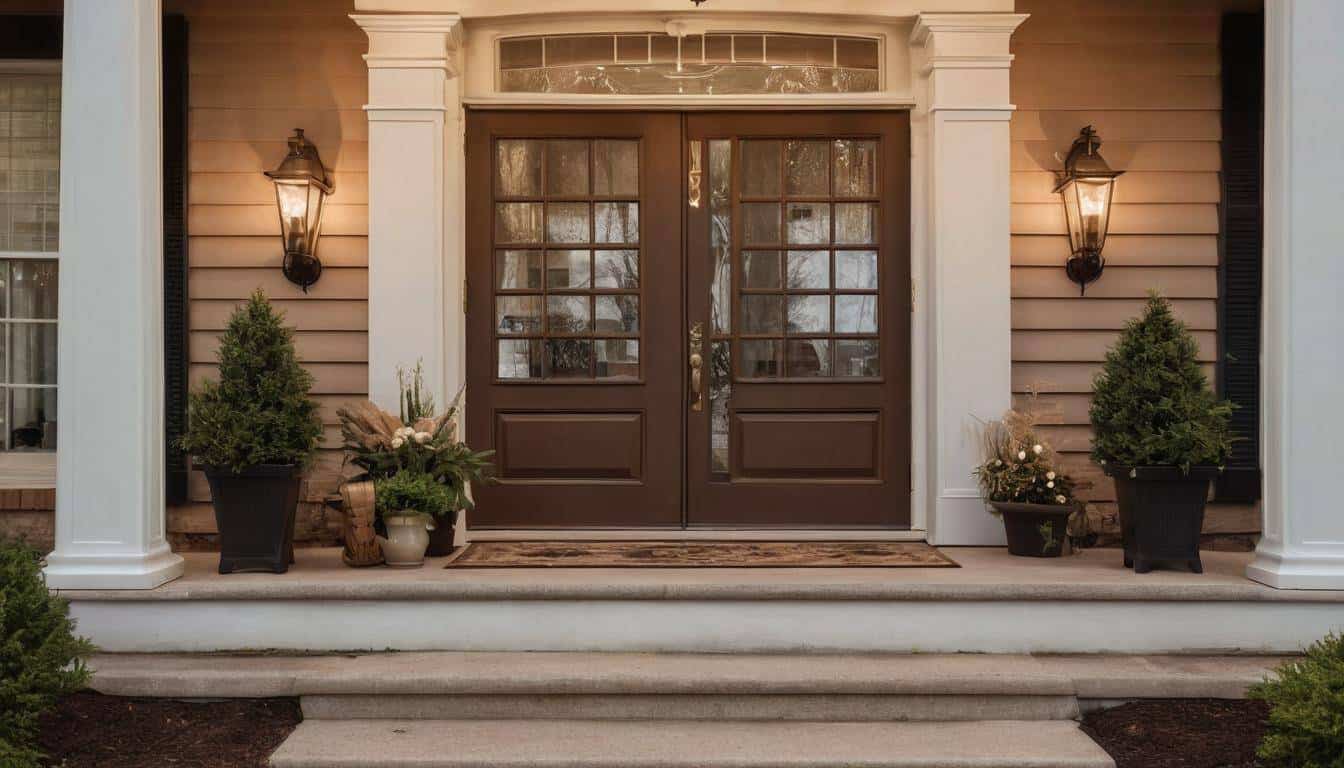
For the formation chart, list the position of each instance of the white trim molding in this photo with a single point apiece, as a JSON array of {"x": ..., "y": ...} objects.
[
  {"x": 961, "y": 155},
  {"x": 1302, "y": 362},
  {"x": 109, "y": 493}
]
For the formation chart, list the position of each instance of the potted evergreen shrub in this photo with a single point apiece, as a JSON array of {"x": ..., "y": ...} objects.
[
  {"x": 1020, "y": 483},
  {"x": 383, "y": 444},
  {"x": 252, "y": 432},
  {"x": 409, "y": 502},
  {"x": 1162, "y": 434}
]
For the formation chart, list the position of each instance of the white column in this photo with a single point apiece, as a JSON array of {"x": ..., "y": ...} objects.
[
  {"x": 416, "y": 182},
  {"x": 1302, "y": 359},
  {"x": 962, "y": 63},
  {"x": 109, "y": 459}
]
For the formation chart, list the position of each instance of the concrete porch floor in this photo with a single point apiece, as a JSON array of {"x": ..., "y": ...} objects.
[{"x": 993, "y": 603}]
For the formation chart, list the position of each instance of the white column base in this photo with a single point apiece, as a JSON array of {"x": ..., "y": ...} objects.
[
  {"x": 114, "y": 571},
  {"x": 1287, "y": 571}
]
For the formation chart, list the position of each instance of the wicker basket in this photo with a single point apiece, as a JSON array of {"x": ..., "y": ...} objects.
[{"x": 361, "y": 545}]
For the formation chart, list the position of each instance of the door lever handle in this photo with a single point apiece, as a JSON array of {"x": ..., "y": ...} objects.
[{"x": 697, "y": 362}]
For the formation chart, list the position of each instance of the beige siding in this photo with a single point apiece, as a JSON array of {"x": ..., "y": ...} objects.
[
  {"x": 259, "y": 69},
  {"x": 1146, "y": 74}
]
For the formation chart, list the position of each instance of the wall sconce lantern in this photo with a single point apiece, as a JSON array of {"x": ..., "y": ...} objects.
[
  {"x": 301, "y": 186},
  {"x": 1086, "y": 186}
]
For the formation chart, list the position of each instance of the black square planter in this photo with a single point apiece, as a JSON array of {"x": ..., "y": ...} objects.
[
  {"x": 1161, "y": 514},
  {"x": 254, "y": 510}
]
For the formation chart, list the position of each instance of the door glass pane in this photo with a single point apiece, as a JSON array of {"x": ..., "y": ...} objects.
[
  {"x": 518, "y": 270},
  {"x": 617, "y": 314},
  {"x": 616, "y": 168},
  {"x": 856, "y": 314},
  {"x": 617, "y": 358},
  {"x": 518, "y": 222},
  {"x": 617, "y": 222},
  {"x": 809, "y": 357},
  {"x": 761, "y": 358},
  {"x": 567, "y": 315},
  {"x": 760, "y": 269},
  {"x": 720, "y": 235},
  {"x": 809, "y": 314},
  {"x": 518, "y": 168},
  {"x": 567, "y": 223},
  {"x": 760, "y": 223},
  {"x": 760, "y": 168},
  {"x": 568, "y": 358},
  {"x": 517, "y": 315},
  {"x": 856, "y": 357},
  {"x": 762, "y": 314},
  {"x": 855, "y": 223},
  {"x": 809, "y": 223},
  {"x": 720, "y": 390},
  {"x": 616, "y": 269},
  {"x": 856, "y": 269},
  {"x": 567, "y": 167},
  {"x": 567, "y": 269},
  {"x": 809, "y": 270},
  {"x": 519, "y": 359},
  {"x": 807, "y": 169},
  {"x": 855, "y": 168}
]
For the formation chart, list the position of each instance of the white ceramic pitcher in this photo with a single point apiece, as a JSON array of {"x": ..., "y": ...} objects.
[{"x": 406, "y": 540}]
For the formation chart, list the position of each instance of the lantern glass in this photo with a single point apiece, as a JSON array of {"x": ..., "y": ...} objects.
[
  {"x": 300, "y": 204},
  {"x": 1087, "y": 207}
]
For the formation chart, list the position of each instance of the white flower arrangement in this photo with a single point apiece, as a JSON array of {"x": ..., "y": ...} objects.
[
  {"x": 422, "y": 437},
  {"x": 1037, "y": 449},
  {"x": 1050, "y": 475},
  {"x": 1021, "y": 455},
  {"x": 397, "y": 442}
]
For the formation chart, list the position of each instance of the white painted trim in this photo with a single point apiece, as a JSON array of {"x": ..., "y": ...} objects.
[
  {"x": 706, "y": 626},
  {"x": 110, "y": 526},
  {"x": 1302, "y": 545}
]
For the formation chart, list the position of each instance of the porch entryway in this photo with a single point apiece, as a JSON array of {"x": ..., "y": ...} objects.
[{"x": 681, "y": 320}]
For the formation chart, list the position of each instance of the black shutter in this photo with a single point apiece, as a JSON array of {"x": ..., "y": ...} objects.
[
  {"x": 1242, "y": 233},
  {"x": 175, "y": 381},
  {"x": 30, "y": 36}
]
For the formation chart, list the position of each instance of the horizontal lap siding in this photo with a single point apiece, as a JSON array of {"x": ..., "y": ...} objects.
[
  {"x": 1146, "y": 74},
  {"x": 259, "y": 69}
]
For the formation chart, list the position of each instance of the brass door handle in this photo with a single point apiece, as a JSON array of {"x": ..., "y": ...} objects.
[{"x": 697, "y": 362}]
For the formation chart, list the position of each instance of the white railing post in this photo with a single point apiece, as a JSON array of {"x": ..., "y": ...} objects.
[{"x": 110, "y": 450}]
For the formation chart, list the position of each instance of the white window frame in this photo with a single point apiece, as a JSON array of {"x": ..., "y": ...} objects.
[{"x": 30, "y": 469}]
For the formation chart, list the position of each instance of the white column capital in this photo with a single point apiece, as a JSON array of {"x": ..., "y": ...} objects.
[
  {"x": 964, "y": 57},
  {"x": 412, "y": 40}
]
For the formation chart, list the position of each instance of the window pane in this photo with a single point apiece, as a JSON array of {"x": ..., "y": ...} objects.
[
  {"x": 760, "y": 269},
  {"x": 568, "y": 358},
  {"x": 856, "y": 314},
  {"x": 761, "y": 225},
  {"x": 760, "y": 168},
  {"x": 567, "y": 269},
  {"x": 567, "y": 222},
  {"x": 809, "y": 357},
  {"x": 617, "y": 314},
  {"x": 616, "y": 269},
  {"x": 761, "y": 358},
  {"x": 809, "y": 270},
  {"x": 517, "y": 315},
  {"x": 809, "y": 314},
  {"x": 617, "y": 359},
  {"x": 762, "y": 314},
  {"x": 617, "y": 222},
  {"x": 808, "y": 169},
  {"x": 566, "y": 167},
  {"x": 518, "y": 270},
  {"x": 856, "y": 357},
  {"x": 32, "y": 418},
  {"x": 519, "y": 359},
  {"x": 809, "y": 223},
  {"x": 32, "y": 353},
  {"x": 518, "y": 222},
  {"x": 856, "y": 269},
  {"x": 855, "y": 223},
  {"x": 567, "y": 315},
  {"x": 518, "y": 168},
  {"x": 616, "y": 165},
  {"x": 855, "y": 168}
]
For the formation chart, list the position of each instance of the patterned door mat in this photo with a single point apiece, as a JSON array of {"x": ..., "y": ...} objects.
[{"x": 700, "y": 554}]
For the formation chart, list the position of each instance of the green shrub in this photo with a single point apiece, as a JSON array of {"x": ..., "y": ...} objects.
[
  {"x": 413, "y": 491},
  {"x": 259, "y": 411},
  {"x": 1151, "y": 403},
  {"x": 40, "y": 657},
  {"x": 1306, "y": 716}
]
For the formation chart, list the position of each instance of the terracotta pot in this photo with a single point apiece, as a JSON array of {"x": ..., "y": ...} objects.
[
  {"x": 254, "y": 511},
  {"x": 1034, "y": 530},
  {"x": 1161, "y": 514}
]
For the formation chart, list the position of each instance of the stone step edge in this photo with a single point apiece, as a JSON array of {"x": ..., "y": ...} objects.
[
  {"x": 686, "y": 744},
  {"x": 483, "y": 673}
]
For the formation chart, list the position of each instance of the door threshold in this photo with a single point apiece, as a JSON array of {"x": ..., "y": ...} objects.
[{"x": 695, "y": 534}]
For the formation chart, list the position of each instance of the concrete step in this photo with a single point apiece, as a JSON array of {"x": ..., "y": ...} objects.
[
  {"x": 682, "y": 744},
  {"x": 638, "y": 686}
]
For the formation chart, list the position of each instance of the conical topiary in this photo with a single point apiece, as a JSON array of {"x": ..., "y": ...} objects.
[
  {"x": 1151, "y": 403},
  {"x": 259, "y": 411}
]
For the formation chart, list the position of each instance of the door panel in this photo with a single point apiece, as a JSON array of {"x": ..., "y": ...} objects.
[
  {"x": 574, "y": 317},
  {"x": 798, "y": 274}
]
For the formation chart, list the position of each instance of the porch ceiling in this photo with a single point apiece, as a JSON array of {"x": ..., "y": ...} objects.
[{"x": 887, "y": 8}]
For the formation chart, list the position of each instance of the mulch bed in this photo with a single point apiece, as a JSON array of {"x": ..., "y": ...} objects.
[
  {"x": 89, "y": 729},
  {"x": 1180, "y": 733}
]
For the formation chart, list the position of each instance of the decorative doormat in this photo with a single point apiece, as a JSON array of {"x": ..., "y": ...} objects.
[{"x": 700, "y": 554}]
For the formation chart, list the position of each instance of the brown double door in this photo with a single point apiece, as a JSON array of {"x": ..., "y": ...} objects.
[{"x": 680, "y": 320}]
